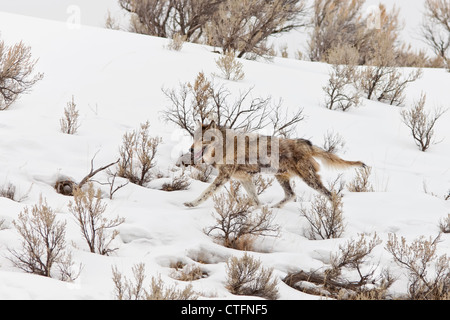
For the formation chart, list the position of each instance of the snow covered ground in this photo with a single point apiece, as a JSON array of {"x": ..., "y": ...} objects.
[{"x": 116, "y": 79}]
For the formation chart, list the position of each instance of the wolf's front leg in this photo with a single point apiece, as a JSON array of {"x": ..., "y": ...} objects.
[{"x": 211, "y": 190}]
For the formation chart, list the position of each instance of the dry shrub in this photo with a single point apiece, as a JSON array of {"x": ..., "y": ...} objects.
[
  {"x": 444, "y": 224},
  {"x": 177, "y": 42},
  {"x": 203, "y": 101},
  {"x": 201, "y": 172},
  {"x": 353, "y": 255},
  {"x": 333, "y": 142},
  {"x": 88, "y": 210},
  {"x": 125, "y": 289},
  {"x": 113, "y": 188},
  {"x": 111, "y": 22},
  {"x": 348, "y": 277},
  {"x": 164, "y": 18},
  {"x": 16, "y": 73},
  {"x": 381, "y": 80},
  {"x": 325, "y": 218},
  {"x": 246, "y": 276},
  {"x": 262, "y": 184},
  {"x": 284, "y": 51},
  {"x": 299, "y": 55},
  {"x": 8, "y": 191},
  {"x": 244, "y": 26},
  {"x": 385, "y": 83},
  {"x": 361, "y": 182},
  {"x": 43, "y": 243},
  {"x": 340, "y": 91},
  {"x": 335, "y": 22},
  {"x": 137, "y": 155},
  {"x": 407, "y": 57},
  {"x": 187, "y": 272},
  {"x": 344, "y": 23},
  {"x": 230, "y": 68},
  {"x": 422, "y": 123},
  {"x": 158, "y": 291},
  {"x": 177, "y": 183},
  {"x": 417, "y": 258},
  {"x": 436, "y": 29},
  {"x": 240, "y": 26},
  {"x": 284, "y": 124},
  {"x": 237, "y": 222},
  {"x": 69, "y": 122}
]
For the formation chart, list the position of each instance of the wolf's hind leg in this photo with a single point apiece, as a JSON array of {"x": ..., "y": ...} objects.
[
  {"x": 309, "y": 174},
  {"x": 284, "y": 181}
]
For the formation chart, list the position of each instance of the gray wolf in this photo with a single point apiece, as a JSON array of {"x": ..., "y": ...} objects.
[{"x": 240, "y": 156}]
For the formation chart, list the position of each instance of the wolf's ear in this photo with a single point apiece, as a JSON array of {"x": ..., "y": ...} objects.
[
  {"x": 213, "y": 125},
  {"x": 198, "y": 123}
]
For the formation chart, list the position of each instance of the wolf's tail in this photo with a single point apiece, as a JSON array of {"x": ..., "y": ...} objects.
[{"x": 332, "y": 160}]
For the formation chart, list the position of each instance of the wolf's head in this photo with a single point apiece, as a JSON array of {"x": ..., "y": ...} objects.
[{"x": 207, "y": 140}]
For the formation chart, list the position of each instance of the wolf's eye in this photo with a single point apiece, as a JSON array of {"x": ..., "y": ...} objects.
[{"x": 191, "y": 150}]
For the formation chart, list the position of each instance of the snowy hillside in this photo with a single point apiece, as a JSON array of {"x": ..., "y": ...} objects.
[{"x": 116, "y": 79}]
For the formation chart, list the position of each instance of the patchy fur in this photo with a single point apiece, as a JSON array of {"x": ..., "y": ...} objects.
[{"x": 220, "y": 148}]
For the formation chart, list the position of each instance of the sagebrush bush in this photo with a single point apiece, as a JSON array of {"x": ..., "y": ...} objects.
[
  {"x": 325, "y": 219},
  {"x": 187, "y": 272},
  {"x": 436, "y": 29},
  {"x": 422, "y": 123},
  {"x": 231, "y": 25},
  {"x": 444, "y": 224},
  {"x": 8, "y": 191},
  {"x": 386, "y": 83},
  {"x": 43, "y": 243},
  {"x": 245, "y": 26},
  {"x": 337, "y": 23},
  {"x": 177, "y": 183},
  {"x": 230, "y": 67},
  {"x": 381, "y": 79},
  {"x": 125, "y": 289},
  {"x": 246, "y": 276},
  {"x": 349, "y": 277},
  {"x": 203, "y": 101},
  {"x": 137, "y": 155},
  {"x": 177, "y": 42},
  {"x": 333, "y": 142},
  {"x": 16, "y": 73},
  {"x": 69, "y": 122},
  {"x": 238, "y": 223},
  {"x": 361, "y": 182},
  {"x": 417, "y": 258},
  {"x": 341, "y": 93},
  {"x": 88, "y": 210},
  {"x": 201, "y": 172}
]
